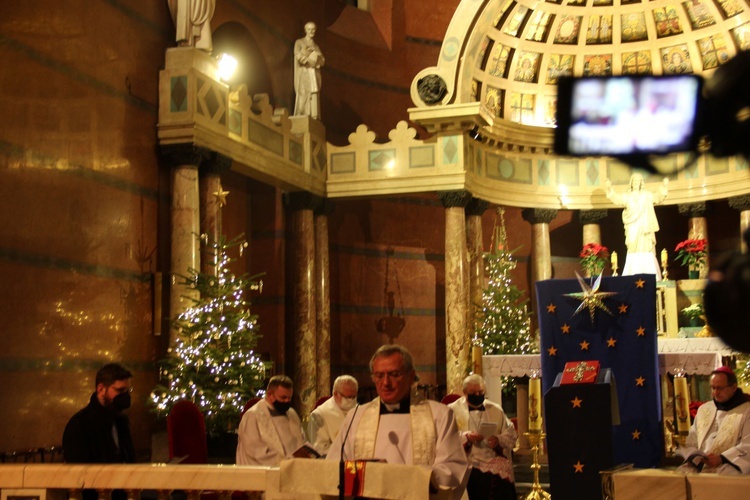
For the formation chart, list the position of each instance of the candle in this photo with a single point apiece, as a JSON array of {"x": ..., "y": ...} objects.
[
  {"x": 476, "y": 359},
  {"x": 535, "y": 404},
  {"x": 664, "y": 258},
  {"x": 614, "y": 260},
  {"x": 682, "y": 404}
]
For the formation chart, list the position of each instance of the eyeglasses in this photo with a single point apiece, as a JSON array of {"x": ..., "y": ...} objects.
[
  {"x": 717, "y": 389},
  {"x": 395, "y": 374},
  {"x": 123, "y": 390}
]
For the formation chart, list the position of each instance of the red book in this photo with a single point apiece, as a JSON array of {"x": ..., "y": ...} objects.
[{"x": 580, "y": 372}]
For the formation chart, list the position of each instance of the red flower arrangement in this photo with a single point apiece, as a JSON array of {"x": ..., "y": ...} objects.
[
  {"x": 593, "y": 257},
  {"x": 691, "y": 253}
]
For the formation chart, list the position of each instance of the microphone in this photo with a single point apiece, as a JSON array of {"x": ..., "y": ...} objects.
[
  {"x": 342, "y": 472},
  {"x": 393, "y": 438}
]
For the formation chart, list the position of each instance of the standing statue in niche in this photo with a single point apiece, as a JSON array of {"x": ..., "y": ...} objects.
[
  {"x": 640, "y": 223},
  {"x": 192, "y": 20},
  {"x": 308, "y": 59}
]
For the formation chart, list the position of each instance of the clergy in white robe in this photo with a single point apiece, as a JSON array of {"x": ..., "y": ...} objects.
[
  {"x": 488, "y": 436},
  {"x": 401, "y": 429},
  {"x": 271, "y": 430},
  {"x": 326, "y": 419},
  {"x": 721, "y": 428}
]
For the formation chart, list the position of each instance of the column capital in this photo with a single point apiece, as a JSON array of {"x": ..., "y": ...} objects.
[
  {"x": 698, "y": 209},
  {"x": 326, "y": 207},
  {"x": 539, "y": 215},
  {"x": 215, "y": 164},
  {"x": 740, "y": 203},
  {"x": 302, "y": 200},
  {"x": 184, "y": 154},
  {"x": 477, "y": 207},
  {"x": 591, "y": 216},
  {"x": 451, "y": 199}
]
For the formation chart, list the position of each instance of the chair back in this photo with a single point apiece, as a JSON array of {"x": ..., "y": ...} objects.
[
  {"x": 321, "y": 400},
  {"x": 186, "y": 430},
  {"x": 450, "y": 398},
  {"x": 249, "y": 405}
]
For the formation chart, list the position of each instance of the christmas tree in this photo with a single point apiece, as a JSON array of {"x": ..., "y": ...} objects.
[
  {"x": 211, "y": 361},
  {"x": 503, "y": 323}
]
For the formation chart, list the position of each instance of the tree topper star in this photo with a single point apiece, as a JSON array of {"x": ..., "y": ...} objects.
[{"x": 591, "y": 297}]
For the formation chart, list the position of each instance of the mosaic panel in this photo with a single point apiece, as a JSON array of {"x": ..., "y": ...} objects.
[
  {"x": 526, "y": 70},
  {"x": 178, "y": 94},
  {"x": 567, "y": 172},
  {"x": 557, "y": 2},
  {"x": 559, "y": 65},
  {"x": 494, "y": 100},
  {"x": 633, "y": 27},
  {"x": 691, "y": 171},
  {"x": 542, "y": 172},
  {"x": 512, "y": 27},
  {"x": 603, "y": 3},
  {"x": 713, "y": 51},
  {"x": 741, "y": 35},
  {"x": 599, "y": 30},
  {"x": 379, "y": 160},
  {"x": 576, "y": 3},
  {"x": 481, "y": 60},
  {"x": 507, "y": 169},
  {"x": 567, "y": 30},
  {"x": 699, "y": 14},
  {"x": 549, "y": 108},
  {"x": 741, "y": 163},
  {"x": 295, "y": 152},
  {"x": 235, "y": 122},
  {"x": 475, "y": 88},
  {"x": 421, "y": 156},
  {"x": 522, "y": 107},
  {"x": 676, "y": 60},
  {"x": 502, "y": 12},
  {"x": 343, "y": 163},
  {"x": 599, "y": 65},
  {"x": 538, "y": 27},
  {"x": 716, "y": 165},
  {"x": 265, "y": 137},
  {"x": 592, "y": 172},
  {"x": 320, "y": 159},
  {"x": 498, "y": 62},
  {"x": 667, "y": 21},
  {"x": 629, "y": 2},
  {"x": 729, "y": 8},
  {"x": 634, "y": 63},
  {"x": 450, "y": 150}
]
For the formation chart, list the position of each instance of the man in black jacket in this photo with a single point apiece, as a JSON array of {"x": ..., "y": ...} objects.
[{"x": 100, "y": 432}]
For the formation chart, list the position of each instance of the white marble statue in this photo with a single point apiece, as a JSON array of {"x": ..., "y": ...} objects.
[
  {"x": 192, "y": 20},
  {"x": 308, "y": 59},
  {"x": 640, "y": 223}
]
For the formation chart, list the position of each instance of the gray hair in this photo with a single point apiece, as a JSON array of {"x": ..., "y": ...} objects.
[
  {"x": 344, "y": 380},
  {"x": 474, "y": 378},
  {"x": 391, "y": 349}
]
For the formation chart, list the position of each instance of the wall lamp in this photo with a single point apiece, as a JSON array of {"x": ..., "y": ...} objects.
[{"x": 227, "y": 66}]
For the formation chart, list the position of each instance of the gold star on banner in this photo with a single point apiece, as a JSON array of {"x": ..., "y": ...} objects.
[
  {"x": 584, "y": 346},
  {"x": 221, "y": 196},
  {"x": 640, "y": 381},
  {"x": 641, "y": 331},
  {"x": 639, "y": 283},
  {"x": 565, "y": 328},
  {"x": 551, "y": 308},
  {"x": 623, "y": 308},
  {"x": 590, "y": 297},
  {"x": 611, "y": 342},
  {"x": 552, "y": 351},
  {"x": 578, "y": 466},
  {"x": 636, "y": 435},
  {"x": 576, "y": 402}
]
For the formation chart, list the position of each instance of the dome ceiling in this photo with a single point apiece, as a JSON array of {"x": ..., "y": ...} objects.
[{"x": 517, "y": 50}]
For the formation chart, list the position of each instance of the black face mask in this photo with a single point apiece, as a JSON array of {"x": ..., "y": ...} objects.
[
  {"x": 282, "y": 407},
  {"x": 121, "y": 401},
  {"x": 475, "y": 399}
]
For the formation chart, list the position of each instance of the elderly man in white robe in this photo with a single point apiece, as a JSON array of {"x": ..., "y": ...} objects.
[
  {"x": 271, "y": 430},
  {"x": 401, "y": 429},
  {"x": 488, "y": 437},
  {"x": 325, "y": 420},
  {"x": 721, "y": 429}
]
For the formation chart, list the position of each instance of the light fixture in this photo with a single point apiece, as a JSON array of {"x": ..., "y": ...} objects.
[{"x": 227, "y": 66}]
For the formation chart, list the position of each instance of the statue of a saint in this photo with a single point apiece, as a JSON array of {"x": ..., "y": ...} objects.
[
  {"x": 640, "y": 223},
  {"x": 308, "y": 59},
  {"x": 192, "y": 22}
]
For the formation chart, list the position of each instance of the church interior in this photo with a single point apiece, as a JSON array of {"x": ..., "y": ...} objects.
[{"x": 367, "y": 226}]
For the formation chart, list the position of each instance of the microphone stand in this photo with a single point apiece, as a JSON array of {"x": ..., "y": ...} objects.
[{"x": 342, "y": 467}]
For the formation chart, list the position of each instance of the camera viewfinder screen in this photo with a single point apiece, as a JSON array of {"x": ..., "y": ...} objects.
[{"x": 626, "y": 115}]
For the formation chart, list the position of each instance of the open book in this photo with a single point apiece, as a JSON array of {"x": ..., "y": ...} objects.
[
  {"x": 306, "y": 451},
  {"x": 693, "y": 457}
]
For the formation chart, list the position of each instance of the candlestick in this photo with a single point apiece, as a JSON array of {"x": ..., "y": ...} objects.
[
  {"x": 535, "y": 404},
  {"x": 664, "y": 258},
  {"x": 681, "y": 403},
  {"x": 613, "y": 259}
]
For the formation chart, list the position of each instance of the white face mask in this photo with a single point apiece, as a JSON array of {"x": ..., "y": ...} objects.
[{"x": 347, "y": 404}]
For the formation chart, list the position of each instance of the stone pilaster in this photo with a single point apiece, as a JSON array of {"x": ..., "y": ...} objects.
[
  {"x": 457, "y": 340},
  {"x": 211, "y": 199},
  {"x": 184, "y": 161},
  {"x": 742, "y": 205},
  {"x": 323, "y": 298},
  {"x": 474, "y": 241},
  {"x": 589, "y": 219},
  {"x": 697, "y": 225},
  {"x": 302, "y": 205}
]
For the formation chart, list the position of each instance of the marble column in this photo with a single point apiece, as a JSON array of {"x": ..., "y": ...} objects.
[
  {"x": 589, "y": 219},
  {"x": 305, "y": 377},
  {"x": 185, "y": 246},
  {"x": 457, "y": 339},
  {"x": 742, "y": 205},
  {"x": 697, "y": 226},
  {"x": 323, "y": 298},
  {"x": 475, "y": 243},
  {"x": 212, "y": 199},
  {"x": 541, "y": 257}
]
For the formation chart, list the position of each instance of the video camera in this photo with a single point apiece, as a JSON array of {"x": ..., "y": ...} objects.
[{"x": 634, "y": 118}]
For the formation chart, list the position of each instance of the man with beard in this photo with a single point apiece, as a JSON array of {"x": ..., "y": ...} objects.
[
  {"x": 100, "y": 432},
  {"x": 721, "y": 429},
  {"x": 271, "y": 430}
]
